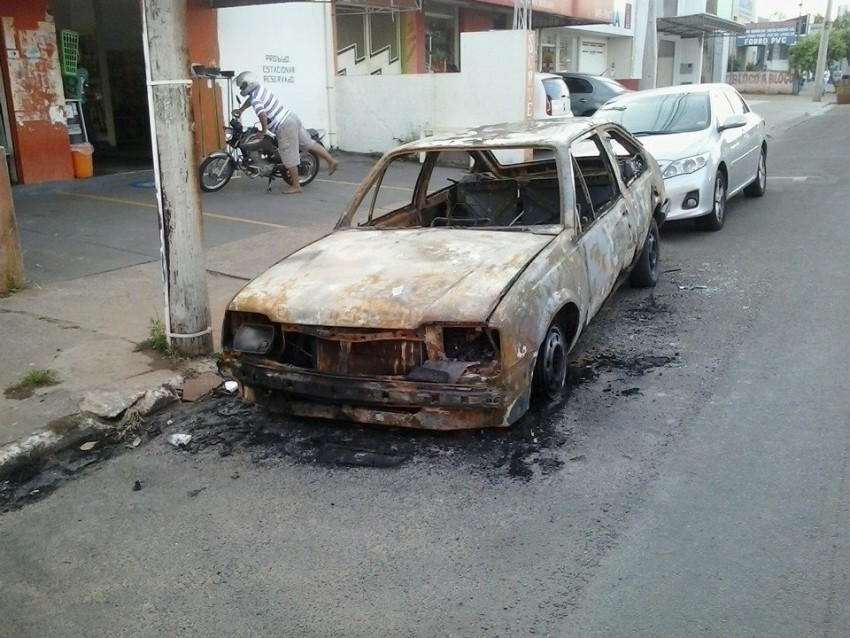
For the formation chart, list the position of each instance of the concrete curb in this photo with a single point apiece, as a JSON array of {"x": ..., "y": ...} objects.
[
  {"x": 32, "y": 449},
  {"x": 778, "y": 129},
  {"x": 108, "y": 421}
]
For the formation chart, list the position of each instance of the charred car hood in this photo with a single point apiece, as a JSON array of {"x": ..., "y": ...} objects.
[{"x": 392, "y": 278}]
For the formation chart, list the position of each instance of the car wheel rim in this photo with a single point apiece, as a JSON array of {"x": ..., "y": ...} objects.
[
  {"x": 652, "y": 252},
  {"x": 554, "y": 362},
  {"x": 762, "y": 177},
  {"x": 719, "y": 199}
]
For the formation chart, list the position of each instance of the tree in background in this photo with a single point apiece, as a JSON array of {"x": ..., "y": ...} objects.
[{"x": 803, "y": 54}]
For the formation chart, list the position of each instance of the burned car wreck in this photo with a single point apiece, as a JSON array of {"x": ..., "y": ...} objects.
[{"x": 456, "y": 281}]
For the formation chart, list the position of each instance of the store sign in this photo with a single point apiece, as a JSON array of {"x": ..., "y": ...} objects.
[{"x": 767, "y": 36}]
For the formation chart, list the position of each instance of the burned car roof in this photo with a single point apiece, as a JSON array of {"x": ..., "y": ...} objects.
[{"x": 533, "y": 133}]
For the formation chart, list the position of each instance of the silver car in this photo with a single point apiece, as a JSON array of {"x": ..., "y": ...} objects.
[
  {"x": 708, "y": 142},
  {"x": 457, "y": 280}
]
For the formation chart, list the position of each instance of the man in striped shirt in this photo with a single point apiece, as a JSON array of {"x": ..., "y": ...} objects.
[{"x": 284, "y": 124}]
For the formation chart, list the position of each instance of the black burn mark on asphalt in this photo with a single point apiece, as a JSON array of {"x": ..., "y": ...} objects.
[{"x": 535, "y": 446}]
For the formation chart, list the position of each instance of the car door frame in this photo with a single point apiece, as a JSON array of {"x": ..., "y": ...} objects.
[
  {"x": 751, "y": 134},
  {"x": 731, "y": 141},
  {"x": 604, "y": 243}
]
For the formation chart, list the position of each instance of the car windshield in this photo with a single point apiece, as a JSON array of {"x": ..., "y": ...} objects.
[
  {"x": 660, "y": 114},
  {"x": 505, "y": 189}
]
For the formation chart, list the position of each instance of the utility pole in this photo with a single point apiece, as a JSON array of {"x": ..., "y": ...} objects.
[
  {"x": 187, "y": 303},
  {"x": 650, "y": 51},
  {"x": 11, "y": 259},
  {"x": 820, "y": 85}
]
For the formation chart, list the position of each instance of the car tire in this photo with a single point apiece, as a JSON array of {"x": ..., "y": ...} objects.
[
  {"x": 759, "y": 184},
  {"x": 717, "y": 217},
  {"x": 549, "y": 382},
  {"x": 645, "y": 272}
]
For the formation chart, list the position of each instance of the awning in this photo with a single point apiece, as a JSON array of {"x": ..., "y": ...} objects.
[{"x": 699, "y": 25}]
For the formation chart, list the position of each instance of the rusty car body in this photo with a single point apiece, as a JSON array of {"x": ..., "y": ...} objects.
[{"x": 456, "y": 281}]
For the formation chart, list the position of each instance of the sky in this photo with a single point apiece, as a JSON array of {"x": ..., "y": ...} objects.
[{"x": 791, "y": 8}]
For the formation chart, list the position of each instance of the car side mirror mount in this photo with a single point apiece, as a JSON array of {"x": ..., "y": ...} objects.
[{"x": 733, "y": 121}]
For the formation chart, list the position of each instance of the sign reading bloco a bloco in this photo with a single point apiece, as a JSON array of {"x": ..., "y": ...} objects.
[{"x": 766, "y": 82}]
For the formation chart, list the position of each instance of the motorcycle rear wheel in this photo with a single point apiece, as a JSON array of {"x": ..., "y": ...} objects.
[
  {"x": 307, "y": 169},
  {"x": 215, "y": 172}
]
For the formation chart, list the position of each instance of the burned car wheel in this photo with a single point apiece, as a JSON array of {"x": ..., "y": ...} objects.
[
  {"x": 645, "y": 272},
  {"x": 550, "y": 371}
]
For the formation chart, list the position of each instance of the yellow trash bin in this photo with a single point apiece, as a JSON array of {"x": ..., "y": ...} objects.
[{"x": 81, "y": 154}]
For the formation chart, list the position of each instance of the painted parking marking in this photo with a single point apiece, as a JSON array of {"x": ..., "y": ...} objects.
[
  {"x": 803, "y": 179},
  {"x": 130, "y": 202}
]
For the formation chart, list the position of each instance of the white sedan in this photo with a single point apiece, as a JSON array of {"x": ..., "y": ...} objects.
[{"x": 708, "y": 142}]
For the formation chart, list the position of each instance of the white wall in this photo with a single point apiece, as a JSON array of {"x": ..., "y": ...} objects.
[
  {"x": 621, "y": 57},
  {"x": 286, "y": 46},
  {"x": 690, "y": 7},
  {"x": 378, "y": 112},
  {"x": 688, "y": 51},
  {"x": 773, "y": 82}
]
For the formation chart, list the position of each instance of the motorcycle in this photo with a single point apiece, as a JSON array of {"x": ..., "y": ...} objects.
[{"x": 256, "y": 155}]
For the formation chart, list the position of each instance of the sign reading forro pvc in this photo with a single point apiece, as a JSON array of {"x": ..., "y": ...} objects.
[{"x": 766, "y": 36}]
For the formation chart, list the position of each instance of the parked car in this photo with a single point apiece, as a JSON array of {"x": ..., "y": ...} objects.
[
  {"x": 709, "y": 143},
  {"x": 588, "y": 92},
  {"x": 551, "y": 97},
  {"x": 451, "y": 288}
]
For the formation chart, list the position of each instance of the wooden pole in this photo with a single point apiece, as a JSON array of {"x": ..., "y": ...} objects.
[
  {"x": 187, "y": 305},
  {"x": 11, "y": 259}
]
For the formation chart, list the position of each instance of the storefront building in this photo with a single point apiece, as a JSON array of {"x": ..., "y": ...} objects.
[
  {"x": 602, "y": 49},
  {"x": 73, "y": 71},
  {"x": 86, "y": 56}
]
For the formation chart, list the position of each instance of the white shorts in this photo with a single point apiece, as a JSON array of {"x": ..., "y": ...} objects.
[{"x": 291, "y": 138}]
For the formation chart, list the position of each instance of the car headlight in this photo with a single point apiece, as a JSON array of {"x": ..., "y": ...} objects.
[{"x": 685, "y": 166}]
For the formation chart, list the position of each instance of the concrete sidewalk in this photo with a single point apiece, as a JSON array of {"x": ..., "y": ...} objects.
[{"x": 83, "y": 321}]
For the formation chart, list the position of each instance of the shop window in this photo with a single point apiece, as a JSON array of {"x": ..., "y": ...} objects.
[
  {"x": 440, "y": 39},
  {"x": 351, "y": 33}
]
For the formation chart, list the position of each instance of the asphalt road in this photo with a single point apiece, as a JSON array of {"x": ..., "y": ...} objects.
[{"x": 694, "y": 484}]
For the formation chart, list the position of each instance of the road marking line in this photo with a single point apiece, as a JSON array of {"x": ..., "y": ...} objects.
[
  {"x": 795, "y": 178},
  {"x": 130, "y": 202},
  {"x": 244, "y": 221},
  {"x": 107, "y": 199}
]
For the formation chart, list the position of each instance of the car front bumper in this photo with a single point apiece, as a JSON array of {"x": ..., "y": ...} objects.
[
  {"x": 397, "y": 403},
  {"x": 680, "y": 187}
]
